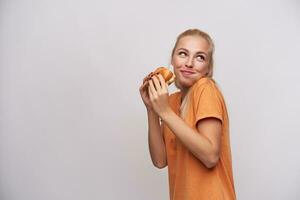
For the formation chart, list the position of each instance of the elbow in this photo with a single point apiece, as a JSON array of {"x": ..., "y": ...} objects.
[
  {"x": 160, "y": 165},
  {"x": 212, "y": 161}
]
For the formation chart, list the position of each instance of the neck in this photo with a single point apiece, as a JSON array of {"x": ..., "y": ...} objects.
[{"x": 183, "y": 94}]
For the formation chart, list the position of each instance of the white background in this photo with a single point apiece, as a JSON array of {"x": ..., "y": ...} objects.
[{"x": 73, "y": 126}]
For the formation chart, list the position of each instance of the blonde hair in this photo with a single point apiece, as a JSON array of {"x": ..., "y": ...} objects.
[{"x": 195, "y": 32}]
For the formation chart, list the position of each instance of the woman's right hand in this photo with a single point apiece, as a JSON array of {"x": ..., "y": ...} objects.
[{"x": 145, "y": 95}]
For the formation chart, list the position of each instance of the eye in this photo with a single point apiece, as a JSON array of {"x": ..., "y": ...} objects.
[
  {"x": 182, "y": 53},
  {"x": 200, "y": 57}
]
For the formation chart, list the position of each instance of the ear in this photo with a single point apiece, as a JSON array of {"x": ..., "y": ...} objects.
[
  {"x": 172, "y": 61},
  {"x": 207, "y": 70}
]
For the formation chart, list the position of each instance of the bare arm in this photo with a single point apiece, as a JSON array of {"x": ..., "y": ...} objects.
[
  {"x": 156, "y": 142},
  {"x": 155, "y": 137},
  {"x": 204, "y": 142}
]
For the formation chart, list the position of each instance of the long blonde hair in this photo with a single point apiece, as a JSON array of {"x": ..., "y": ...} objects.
[{"x": 195, "y": 32}]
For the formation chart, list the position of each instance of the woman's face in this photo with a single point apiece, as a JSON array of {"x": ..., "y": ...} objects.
[{"x": 190, "y": 60}]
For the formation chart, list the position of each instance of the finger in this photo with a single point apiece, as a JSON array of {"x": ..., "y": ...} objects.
[
  {"x": 152, "y": 88},
  {"x": 143, "y": 87},
  {"x": 150, "y": 93},
  {"x": 144, "y": 84},
  {"x": 156, "y": 83},
  {"x": 163, "y": 82}
]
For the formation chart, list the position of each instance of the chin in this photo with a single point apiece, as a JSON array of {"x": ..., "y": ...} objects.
[{"x": 183, "y": 84}]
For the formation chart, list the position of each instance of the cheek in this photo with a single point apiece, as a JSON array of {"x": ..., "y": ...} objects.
[
  {"x": 176, "y": 65},
  {"x": 202, "y": 68},
  {"x": 177, "y": 61}
]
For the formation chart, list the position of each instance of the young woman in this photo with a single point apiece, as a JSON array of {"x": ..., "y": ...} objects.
[{"x": 189, "y": 129}]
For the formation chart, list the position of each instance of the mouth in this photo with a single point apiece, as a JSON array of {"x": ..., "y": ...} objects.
[{"x": 187, "y": 73}]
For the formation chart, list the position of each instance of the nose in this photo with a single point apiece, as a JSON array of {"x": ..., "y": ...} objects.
[{"x": 189, "y": 62}]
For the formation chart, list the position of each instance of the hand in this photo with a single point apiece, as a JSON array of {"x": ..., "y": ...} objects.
[
  {"x": 159, "y": 95},
  {"x": 145, "y": 95}
]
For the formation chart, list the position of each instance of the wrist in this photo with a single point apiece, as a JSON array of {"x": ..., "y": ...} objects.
[
  {"x": 165, "y": 115},
  {"x": 150, "y": 111}
]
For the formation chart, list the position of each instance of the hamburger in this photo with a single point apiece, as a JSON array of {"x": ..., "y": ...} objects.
[{"x": 168, "y": 76}]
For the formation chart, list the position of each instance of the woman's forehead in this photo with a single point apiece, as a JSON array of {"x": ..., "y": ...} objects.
[{"x": 193, "y": 43}]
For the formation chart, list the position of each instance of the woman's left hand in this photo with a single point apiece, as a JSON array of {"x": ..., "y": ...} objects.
[{"x": 159, "y": 95}]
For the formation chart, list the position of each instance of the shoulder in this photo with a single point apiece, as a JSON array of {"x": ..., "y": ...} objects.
[
  {"x": 206, "y": 88},
  {"x": 205, "y": 83}
]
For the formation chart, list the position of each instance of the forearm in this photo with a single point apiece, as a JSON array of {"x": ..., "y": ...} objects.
[
  {"x": 155, "y": 140},
  {"x": 199, "y": 145}
]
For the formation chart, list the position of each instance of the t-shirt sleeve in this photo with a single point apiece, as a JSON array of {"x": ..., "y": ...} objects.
[{"x": 207, "y": 103}]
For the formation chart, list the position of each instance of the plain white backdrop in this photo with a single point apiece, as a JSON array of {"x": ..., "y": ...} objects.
[{"x": 73, "y": 126}]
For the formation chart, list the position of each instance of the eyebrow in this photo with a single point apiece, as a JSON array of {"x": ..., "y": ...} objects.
[{"x": 196, "y": 52}]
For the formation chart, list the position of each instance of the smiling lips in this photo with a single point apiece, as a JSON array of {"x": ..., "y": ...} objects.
[{"x": 186, "y": 72}]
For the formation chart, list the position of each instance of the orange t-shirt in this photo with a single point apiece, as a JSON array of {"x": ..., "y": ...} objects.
[{"x": 189, "y": 179}]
